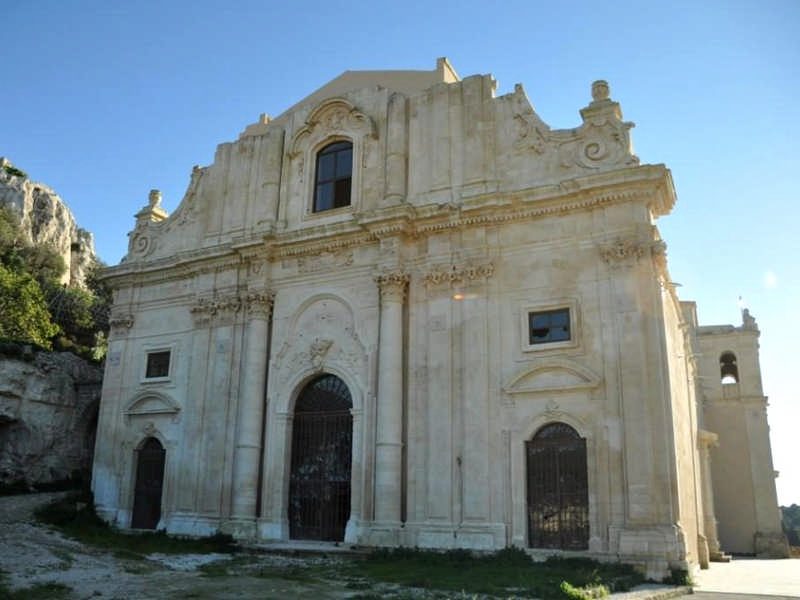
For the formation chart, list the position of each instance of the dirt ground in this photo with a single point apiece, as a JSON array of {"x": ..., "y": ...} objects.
[{"x": 32, "y": 553}]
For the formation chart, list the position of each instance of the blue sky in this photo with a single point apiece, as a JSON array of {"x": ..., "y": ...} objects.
[{"x": 103, "y": 101}]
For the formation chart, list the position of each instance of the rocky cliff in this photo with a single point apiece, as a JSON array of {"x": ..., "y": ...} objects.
[
  {"x": 48, "y": 415},
  {"x": 46, "y": 220}
]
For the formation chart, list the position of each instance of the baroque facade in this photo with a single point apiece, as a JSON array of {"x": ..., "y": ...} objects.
[{"x": 408, "y": 312}]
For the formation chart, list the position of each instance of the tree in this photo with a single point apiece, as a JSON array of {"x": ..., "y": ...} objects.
[
  {"x": 23, "y": 312},
  {"x": 791, "y": 523}
]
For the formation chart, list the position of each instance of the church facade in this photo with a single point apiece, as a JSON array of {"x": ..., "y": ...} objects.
[{"x": 408, "y": 312}]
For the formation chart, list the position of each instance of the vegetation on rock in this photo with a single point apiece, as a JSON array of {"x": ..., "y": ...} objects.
[{"x": 36, "y": 308}]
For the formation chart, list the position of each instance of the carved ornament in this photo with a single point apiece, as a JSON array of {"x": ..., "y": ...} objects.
[
  {"x": 631, "y": 250},
  {"x": 325, "y": 260},
  {"x": 221, "y": 309},
  {"x": 120, "y": 321},
  {"x": 457, "y": 274},
  {"x": 260, "y": 303},
  {"x": 319, "y": 348},
  {"x": 336, "y": 116}
]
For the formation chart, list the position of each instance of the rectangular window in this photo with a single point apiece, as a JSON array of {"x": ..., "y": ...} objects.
[
  {"x": 157, "y": 364},
  {"x": 549, "y": 326}
]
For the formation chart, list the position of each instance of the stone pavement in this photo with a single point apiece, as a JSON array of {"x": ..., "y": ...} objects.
[{"x": 746, "y": 576}]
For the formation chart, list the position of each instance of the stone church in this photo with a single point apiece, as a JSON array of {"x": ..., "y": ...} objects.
[{"x": 407, "y": 312}]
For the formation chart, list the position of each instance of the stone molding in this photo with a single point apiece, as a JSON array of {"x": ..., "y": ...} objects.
[
  {"x": 454, "y": 274},
  {"x": 393, "y": 285},
  {"x": 653, "y": 186},
  {"x": 152, "y": 403}
]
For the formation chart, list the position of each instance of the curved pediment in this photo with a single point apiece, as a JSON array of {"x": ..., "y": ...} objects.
[
  {"x": 557, "y": 375},
  {"x": 333, "y": 117},
  {"x": 150, "y": 403}
]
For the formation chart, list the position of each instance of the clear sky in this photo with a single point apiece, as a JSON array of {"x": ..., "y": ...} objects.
[{"x": 105, "y": 100}]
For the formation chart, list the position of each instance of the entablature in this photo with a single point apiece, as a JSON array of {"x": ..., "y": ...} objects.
[{"x": 649, "y": 183}]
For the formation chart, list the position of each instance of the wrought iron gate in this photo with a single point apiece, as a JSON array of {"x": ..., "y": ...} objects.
[
  {"x": 558, "y": 494},
  {"x": 149, "y": 482},
  {"x": 319, "y": 487}
]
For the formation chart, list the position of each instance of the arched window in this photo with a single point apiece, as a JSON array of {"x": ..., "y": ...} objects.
[
  {"x": 558, "y": 489},
  {"x": 334, "y": 176},
  {"x": 728, "y": 370}
]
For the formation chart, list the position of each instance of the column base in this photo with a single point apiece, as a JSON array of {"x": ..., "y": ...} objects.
[
  {"x": 240, "y": 527},
  {"x": 273, "y": 530},
  {"x": 719, "y": 557},
  {"x": 771, "y": 545}
]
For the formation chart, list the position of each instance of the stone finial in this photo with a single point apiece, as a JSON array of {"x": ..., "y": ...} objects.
[
  {"x": 154, "y": 198},
  {"x": 600, "y": 90},
  {"x": 152, "y": 213},
  {"x": 602, "y": 106}
]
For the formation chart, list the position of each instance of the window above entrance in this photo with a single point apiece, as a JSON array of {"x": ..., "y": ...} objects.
[{"x": 333, "y": 176}]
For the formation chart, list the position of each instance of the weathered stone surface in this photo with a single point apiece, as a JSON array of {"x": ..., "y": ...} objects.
[
  {"x": 48, "y": 416},
  {"x": 464, "y": 220},
  {"x": 47, "y": 221}
]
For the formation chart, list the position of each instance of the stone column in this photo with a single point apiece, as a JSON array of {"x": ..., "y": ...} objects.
[
  {"x": 707, "y": 440},
  {"x": 250, "y": 417},
  {"x": 388, "y": 445}
]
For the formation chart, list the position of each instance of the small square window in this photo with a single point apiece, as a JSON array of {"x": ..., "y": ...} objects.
[
  {"x": 549, "y": 326},
  {"x": 157, "y": 364}
]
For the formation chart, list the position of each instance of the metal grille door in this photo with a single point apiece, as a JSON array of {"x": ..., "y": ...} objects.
[
  {"x": 149, "y": 482},
  {"x": 558, "y": 494},
  {"x": 319, "y": 488}
]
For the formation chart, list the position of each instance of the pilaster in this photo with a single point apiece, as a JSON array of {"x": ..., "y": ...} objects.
[
  {"x": 389, "y": 438},
  {"x": 251, "y": 412}
]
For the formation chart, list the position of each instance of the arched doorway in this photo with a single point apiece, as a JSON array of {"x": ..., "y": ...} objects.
[
  {"x": 149, "y": 483},
  {"x": 322, "y": 442},
  {"x": 558, "y": 490}
]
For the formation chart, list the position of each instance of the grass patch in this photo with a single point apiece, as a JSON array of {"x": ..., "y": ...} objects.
[
  {"x": 74, "y": 516},
  {"x": 508, "y": 571},
  {"x": 40, "y": 591}
]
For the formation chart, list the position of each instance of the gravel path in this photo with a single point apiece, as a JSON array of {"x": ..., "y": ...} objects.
[{"x": 31, "y": 553}]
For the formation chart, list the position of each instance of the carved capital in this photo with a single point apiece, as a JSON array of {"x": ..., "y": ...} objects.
[
  {"x": 260, "y": 304},
  {"x": 121, "y": 323},
  {"x": 393, "y": 285},
  {"x": 631, "y": 250},
  {"x": 221, "y": 309}
]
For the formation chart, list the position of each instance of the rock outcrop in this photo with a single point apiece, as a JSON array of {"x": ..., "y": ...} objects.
[
  {"x": 46, "y": 220},
  {"x": 48, "y": 415}
]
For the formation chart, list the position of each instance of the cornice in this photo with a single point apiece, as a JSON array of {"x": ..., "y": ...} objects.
[{"x": 650, "y": 183}]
